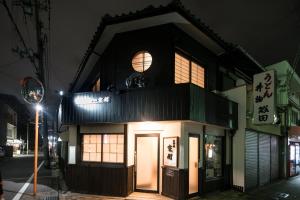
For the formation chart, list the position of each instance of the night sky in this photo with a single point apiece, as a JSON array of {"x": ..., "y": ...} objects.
[{"x": 269, "y": 30}]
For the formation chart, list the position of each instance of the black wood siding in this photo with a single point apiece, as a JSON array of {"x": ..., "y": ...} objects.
[
  {"x": 113, "y": 181},
  {"x": 175, "y": 183},
  {"x": 114, "y": 65},
  {"x": 179, "y": 102}
]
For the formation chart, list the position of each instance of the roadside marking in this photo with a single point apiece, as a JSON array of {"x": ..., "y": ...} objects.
[{"x": 25, "y": 186}]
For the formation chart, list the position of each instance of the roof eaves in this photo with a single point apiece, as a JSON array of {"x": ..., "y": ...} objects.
[{"x": 174, "y": 6}]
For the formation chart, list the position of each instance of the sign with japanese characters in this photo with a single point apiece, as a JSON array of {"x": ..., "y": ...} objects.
[
  {"x": 83, "y": 100},
  {"x": 170, "y": 151},
  {"x": 264, "y": 98}
]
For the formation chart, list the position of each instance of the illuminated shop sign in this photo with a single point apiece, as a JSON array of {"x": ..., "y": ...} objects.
[
  {"x": 170, "y": 151},
  {"x": 264, "y": 98},
  {"x": 84, "y": 100}
]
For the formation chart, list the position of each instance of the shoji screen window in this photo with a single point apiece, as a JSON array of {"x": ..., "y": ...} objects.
[
  {"x": 187, "y": 71},
  {"x": 197, "y": 75},
  {"x": 91, "y": 148},
  {"x": 113, "y": 148},
  {"x": 182, "y": 69},
  {"x": 107, "y": 148}
]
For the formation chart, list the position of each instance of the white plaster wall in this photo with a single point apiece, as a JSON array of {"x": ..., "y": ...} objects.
[
  {"x": 165, "y": 129},
  {"x": 72, "y": 143},
  {"x": 72, "y": 135},
  {"x": 64, "y": 136},
  {"x": 239, "y": 95}
]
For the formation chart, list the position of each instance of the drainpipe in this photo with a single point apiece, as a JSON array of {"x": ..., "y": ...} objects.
[
  {"x": 27, "y": 137},
  {"x": 286, "y": 145}
]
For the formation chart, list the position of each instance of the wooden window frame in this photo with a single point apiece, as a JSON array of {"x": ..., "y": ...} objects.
[
  {"x": 102, "y": 162},
  {"x": 190, "y": 60},
  {"x": 143, "y": 62}
]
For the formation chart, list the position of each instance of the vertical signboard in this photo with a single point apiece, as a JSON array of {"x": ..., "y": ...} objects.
[
  {"x": 170, "y": 151},
  {"x": 264, "y": 95}
]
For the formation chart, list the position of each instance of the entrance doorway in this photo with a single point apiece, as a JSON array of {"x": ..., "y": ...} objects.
[
  {"x": 147, "y": 162},
  {"x": 294, "y": 159},
  {"x": 193, "y": 164}
]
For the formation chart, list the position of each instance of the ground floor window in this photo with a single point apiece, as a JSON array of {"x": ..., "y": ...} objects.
[
  {"x": 213, "y": 149},
  {"x": 107, "y": 148}
]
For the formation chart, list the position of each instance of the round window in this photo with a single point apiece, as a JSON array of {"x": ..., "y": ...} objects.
[{"x": 141, "y": 61}]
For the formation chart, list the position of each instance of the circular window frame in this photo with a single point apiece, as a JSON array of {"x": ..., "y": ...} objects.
[{"x": 145, "y": 64}]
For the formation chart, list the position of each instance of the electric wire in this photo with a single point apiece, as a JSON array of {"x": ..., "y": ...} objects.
[
  {"x": 27, "y": 29},
  {"x": 47, "y": 49},
  {"x": 294, "y": 65},
  {"x": 10, "y": 63},
  {"x": 19, "y": 33}
]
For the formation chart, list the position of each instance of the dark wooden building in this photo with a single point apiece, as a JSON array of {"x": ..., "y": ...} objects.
[{"x": 144, "y": 113}]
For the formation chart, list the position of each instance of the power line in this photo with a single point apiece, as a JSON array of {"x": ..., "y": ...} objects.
[
  {"x": 31, "y": 58},
  {"x": 9, "y": 64},
  {"x": 295, "y": 63}
]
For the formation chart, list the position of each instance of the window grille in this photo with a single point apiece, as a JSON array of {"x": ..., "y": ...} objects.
[{"x": 141, "y": 61}]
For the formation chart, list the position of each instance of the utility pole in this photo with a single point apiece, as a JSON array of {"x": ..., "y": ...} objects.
[{"x": 41, "y": 75}]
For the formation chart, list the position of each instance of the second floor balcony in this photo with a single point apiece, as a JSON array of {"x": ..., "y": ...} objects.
[{"x": 178, "y": 102}]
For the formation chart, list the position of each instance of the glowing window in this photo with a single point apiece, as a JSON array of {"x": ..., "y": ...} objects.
[
  {"x": 103, "y": 148},
  {"x": 197, "y": 75},
  {"x": 141, "y": 61},
  {"x": 96, "y": 86},
  {"x": 213, "y": 149},
  {"x": 113, "y": 148},
  {"x": 92, "y": 148},
  {"x": 182, "y": 69},
  {"x": 187, "y": 71}
]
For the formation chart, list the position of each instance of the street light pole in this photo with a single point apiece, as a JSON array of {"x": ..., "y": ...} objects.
[{"x": 36, "y": 145}]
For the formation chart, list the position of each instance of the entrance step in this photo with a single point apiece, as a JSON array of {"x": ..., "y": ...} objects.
[{"x": 143, "y": 196}]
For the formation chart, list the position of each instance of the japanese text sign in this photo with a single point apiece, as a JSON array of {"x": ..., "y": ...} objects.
[
  {"x": 170, "y": 151},
  {"x": 264, "y": 98}
]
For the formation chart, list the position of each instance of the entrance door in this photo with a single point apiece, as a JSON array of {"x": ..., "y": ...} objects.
[
  {"x": 147, "y": 162},
  {"x": 193, "y": 164},
  {"x": 297, "y": 158},
  {"x": 292, "y": 160}
]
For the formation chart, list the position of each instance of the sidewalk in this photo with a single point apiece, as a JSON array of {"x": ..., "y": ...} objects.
[{"x": 281, "y": 190}]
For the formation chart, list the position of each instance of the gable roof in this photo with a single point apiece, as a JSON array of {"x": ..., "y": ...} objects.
[{"x": 174, "y": 13}]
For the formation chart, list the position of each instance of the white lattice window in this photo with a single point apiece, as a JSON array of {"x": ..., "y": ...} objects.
[
  {"x": 92, "y": 148},
  {"x": 187, "y": 71},
  {"x": 103, "y": 148},
  {"x": 197, "y": 75},
  {"x": 141, "y": 61},
  {"x": 182, "y": 69}
]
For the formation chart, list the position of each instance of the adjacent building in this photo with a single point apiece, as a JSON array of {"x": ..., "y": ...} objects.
[
  {"x": 288, "y": 101},
  {"x": 265, "y": 152},
  {"x": 13, "y": 126},
  {"x": 145, "y": 111},
  {"x": 256, "y": 148}
]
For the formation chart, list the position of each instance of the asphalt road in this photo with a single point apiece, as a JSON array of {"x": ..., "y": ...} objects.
[{"x": 16, "y": 172}]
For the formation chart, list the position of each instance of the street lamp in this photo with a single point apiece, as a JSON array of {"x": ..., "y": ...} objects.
[
  {"x": 61, "y": 93},
  {"x": 33, "y": 93},
  {"x": 38, "y": 108}
]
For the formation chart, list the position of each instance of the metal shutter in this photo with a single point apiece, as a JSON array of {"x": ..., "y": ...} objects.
[
  {"x": 264, "y": 159},
  {"x": 251, "y": 160},
  {"x": 274, "y": 158}
]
